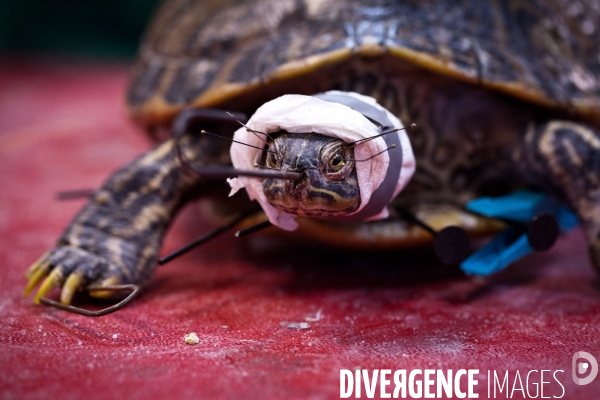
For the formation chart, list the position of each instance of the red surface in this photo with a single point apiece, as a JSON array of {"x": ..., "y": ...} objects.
[{"x": 62, "y": 127}]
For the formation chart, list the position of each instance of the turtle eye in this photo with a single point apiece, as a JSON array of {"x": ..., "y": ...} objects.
[
  {"x": 336, "y": 162},
  {"x": 272, "y": 160}
]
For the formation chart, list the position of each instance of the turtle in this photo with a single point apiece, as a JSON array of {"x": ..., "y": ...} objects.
[{"x": 505, "y": 94}]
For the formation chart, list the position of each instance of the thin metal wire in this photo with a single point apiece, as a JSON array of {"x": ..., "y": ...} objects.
[
  {"x": 253, "y": 228},
  {"x": 203, "y": 132},
  {"x": 250, "y": 129},
  {"x": 205, "y": 238},
  {"x": 82, "y": 311},
  {"x": 361, "y": 141},
  {"x": 393, "y": 146},
  {"x": 217, "y": 172}
]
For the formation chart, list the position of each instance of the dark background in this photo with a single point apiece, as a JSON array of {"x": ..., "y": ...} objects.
[{"x": 100, "y": 28}]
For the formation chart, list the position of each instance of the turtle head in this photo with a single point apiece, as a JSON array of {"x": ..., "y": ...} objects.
[{"x": 329, "y": 185}]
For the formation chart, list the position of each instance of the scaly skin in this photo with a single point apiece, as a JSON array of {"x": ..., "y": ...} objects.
[
  {"x": 564, "y": 158},
  {"x": 116, "y": 237},
  {"x": 318, "y": 194}
]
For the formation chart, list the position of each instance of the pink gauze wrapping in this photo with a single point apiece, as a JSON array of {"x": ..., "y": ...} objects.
[{"x": 305, "y": 114}]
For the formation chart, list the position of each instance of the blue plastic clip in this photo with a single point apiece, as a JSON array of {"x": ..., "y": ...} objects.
[{"x": 512, "y": 244}]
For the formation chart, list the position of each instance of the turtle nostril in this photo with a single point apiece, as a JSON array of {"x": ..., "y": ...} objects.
[{"x": 302, "y": 181}]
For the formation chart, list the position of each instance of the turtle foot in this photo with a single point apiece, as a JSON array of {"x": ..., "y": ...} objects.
[{"x": 74, "y": 269}]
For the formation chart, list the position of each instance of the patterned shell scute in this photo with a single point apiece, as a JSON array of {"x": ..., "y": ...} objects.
[{"x": 543, "y": 50}]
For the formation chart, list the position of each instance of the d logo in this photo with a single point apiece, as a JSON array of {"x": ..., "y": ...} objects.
[{"x": 582, "y": 367}]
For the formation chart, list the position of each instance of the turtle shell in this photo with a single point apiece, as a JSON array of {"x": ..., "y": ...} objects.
[
  {"x": 206, "y": 53},
  {"x": 222, "y": 53}
]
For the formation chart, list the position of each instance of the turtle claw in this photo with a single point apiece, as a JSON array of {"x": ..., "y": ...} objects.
[
  {"x": 35, "y": 276},
  {"x": 105, "y": 294},
  {"x": 72, "y": 285},
  {"x": 55, "y": 278},
  {"x": 73, "y": 269},
  {"x": 36, "y": 266}
]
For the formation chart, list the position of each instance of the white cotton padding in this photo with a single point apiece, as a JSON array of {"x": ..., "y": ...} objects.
[{"x": 305, "y": 114}]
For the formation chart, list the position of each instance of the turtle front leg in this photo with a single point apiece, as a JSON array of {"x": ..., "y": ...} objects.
[
  {"x": 116, "y": 237},
  {"x": 564, "y": 158}
]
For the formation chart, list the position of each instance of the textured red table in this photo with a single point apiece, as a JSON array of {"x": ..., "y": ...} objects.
[{"x": 62, "y": 126}]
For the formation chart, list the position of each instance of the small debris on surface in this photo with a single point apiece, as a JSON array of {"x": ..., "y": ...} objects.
[
  {"x": 224, "y": 327},
  {"x": 116, "y": 335},
  {"x": 316, "y": 318},
  {"x": 191, "y": 338},
  {"x": 295, "y": 325}
]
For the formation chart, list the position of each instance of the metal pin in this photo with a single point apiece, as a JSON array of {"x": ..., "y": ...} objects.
[
  {"x": 451, "y": 245},
  {"x": 216, "y": 171}
]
